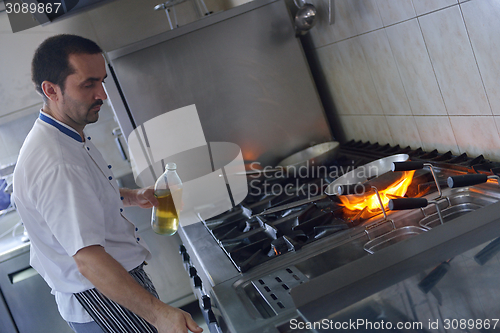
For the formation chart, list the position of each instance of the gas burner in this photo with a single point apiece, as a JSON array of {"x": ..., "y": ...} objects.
[{"x": 250, "y": 241}]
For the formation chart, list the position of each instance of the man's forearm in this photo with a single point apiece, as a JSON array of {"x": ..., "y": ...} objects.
[{"x": 111, "y": 279}]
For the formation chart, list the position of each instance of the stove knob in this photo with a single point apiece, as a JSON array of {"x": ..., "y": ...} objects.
[
  {"x": 185, "y": 257},
  {"x": 192, "y": 271},
  {"x": 206, "y": 302},
  {"x": 182, "y": 249},
  {"x": 211, "y": 317},
  {"x": 197, "y": 281}
]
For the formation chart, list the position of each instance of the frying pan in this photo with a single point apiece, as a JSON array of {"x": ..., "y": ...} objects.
[
  {"x": 319, "y": 154},
  {"x": 345, "y": 184}
]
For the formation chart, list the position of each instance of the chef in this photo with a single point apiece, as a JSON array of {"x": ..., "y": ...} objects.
[{"x": 81, "y": 244}]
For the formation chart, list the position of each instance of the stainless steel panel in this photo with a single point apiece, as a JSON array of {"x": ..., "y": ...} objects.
[
  {"x": 6, "y": 323},
  {"x": 247, "y": 75},
  {"x": 359, "y": 279},
  {"x": 207, "y": 256},
  {"x": 166, "y": 270},
  {"x": 31, "y": 304}
]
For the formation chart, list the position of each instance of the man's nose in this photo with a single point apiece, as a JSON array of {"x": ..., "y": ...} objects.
[{"x": 101, "y": 93}]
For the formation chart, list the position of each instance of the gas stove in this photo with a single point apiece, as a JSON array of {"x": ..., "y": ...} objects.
[{"x": 253, "y": 271}]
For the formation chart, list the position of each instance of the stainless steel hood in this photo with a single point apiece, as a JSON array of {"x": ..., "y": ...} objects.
[{"x": 245, "y": 71}]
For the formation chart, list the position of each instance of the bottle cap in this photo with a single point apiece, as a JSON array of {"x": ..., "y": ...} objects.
[{"x": 171, "y": 166}]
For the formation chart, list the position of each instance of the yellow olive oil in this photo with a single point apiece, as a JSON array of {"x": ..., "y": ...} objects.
[{"x": 165, "y": 217}]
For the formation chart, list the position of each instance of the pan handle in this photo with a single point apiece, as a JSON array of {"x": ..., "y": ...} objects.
[
  {"x": 407, "y": 203},
  {"x": 466, "y": 180},
  {"x": 434, "y": 276},
  {"x": 407, "y": 166},
  {"x": 488, "y": 252},
  {"x": 291, "y": 205}
]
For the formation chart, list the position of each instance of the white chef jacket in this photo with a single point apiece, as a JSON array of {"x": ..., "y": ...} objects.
[{"x": 68, "y": 199}]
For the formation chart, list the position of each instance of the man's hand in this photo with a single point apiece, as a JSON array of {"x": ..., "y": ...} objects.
[
  {"x": 176, "y": 320},
  {"x": 143, "y": 197},
  {"x": 111, "y": 279}
]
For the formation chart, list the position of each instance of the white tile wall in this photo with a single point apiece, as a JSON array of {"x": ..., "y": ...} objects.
[
  {"x": 395, "y": 11},
  {"x": 354, "y": 128},
  {"x": 454, "y": 63},
  {"x": 377, "y": 127},
  {"x": 366, "y": 15},
  {"x": 426, "y": 6},
  {"x": 436, "y": 133},
  {"x": 404, "y": 131},
  {"x": 385, "y": 75},
  {"x": 361, "y": 93},
  {"x": 483, "y": 26},
  {"x": 433, "y": 66},
  {"x": 415, "y": 68},
  {"x": 343, "y": 26},
  {"x": 336, "y": 74},
  {"x": 476, "y": 135}
]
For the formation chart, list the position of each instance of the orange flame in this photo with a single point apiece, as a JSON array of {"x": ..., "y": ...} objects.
[
  {"x": 493, "y": 181},
  {"x": 370, "y": 200}
]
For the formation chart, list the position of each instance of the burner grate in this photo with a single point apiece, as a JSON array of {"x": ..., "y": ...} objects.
[{"x": 249, "y": 241}]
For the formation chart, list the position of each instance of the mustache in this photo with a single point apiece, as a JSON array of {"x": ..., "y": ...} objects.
[{"x": 97, "y": 103}]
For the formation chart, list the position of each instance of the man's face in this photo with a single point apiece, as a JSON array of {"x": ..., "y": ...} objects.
[{"x": 83, "y": 91}]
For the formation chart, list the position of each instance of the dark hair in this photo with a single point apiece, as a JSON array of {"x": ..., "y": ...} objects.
[{"x": 51, "y": 59}]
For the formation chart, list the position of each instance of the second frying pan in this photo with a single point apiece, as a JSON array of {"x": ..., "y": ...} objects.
[{"x": 359, "y": 175}]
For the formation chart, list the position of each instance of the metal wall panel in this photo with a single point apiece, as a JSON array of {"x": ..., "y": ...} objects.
[{"x": 246, "y": 72}]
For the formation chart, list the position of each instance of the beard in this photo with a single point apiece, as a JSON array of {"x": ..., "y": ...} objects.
[
  {"x": 81, "y": 112},
  {"x": 93, "y": 116}
]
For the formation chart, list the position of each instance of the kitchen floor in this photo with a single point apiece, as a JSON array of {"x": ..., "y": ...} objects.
[{"x": 194, "y": 310}]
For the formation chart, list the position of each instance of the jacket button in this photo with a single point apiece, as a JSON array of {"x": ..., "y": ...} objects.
[
  {"x": 121, "y": 210},
  {"x": 109, "y": 166},
  {"x": 88, "y": 148},
  {"x": 138, "y": 239},
  {"x": 88, "y": 138},
  {"x": 110, "y": 177}
]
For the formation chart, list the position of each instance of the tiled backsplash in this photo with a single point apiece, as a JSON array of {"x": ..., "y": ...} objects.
[{"x": 412, "y": 72}]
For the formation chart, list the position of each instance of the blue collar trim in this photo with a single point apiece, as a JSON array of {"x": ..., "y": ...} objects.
[{"x": 60, "y": 127}]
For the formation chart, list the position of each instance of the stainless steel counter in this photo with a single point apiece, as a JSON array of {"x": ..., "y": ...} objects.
[{"x": 11, "y": 246}]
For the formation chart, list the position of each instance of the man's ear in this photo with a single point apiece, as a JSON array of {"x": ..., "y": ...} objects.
[{"x": 51, "y": 90}]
